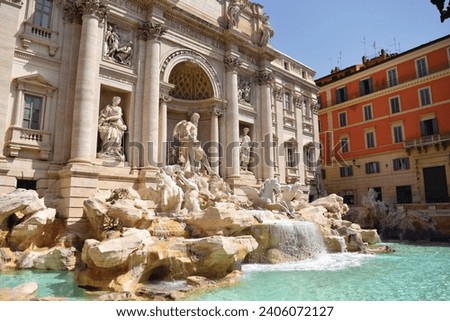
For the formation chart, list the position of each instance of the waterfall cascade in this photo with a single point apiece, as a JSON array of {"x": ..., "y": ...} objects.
[
  {"x": 298, "y": 239},
  {"x": 286, "y": 240}
]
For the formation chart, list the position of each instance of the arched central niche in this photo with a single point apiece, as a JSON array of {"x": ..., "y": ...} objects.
[
  {"x": 191, "y": 82},
  {"x": 192, "y": 73}
]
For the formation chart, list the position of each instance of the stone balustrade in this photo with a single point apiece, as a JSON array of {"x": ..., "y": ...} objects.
[{"x": 29, "y": 139}]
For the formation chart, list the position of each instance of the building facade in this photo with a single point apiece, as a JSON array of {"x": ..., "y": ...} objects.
[
  {"x": 384, "y": 124},
  {"x": 94, "y": 93}
]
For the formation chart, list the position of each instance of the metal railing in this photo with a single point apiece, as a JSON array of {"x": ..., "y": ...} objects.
[{"x": 427, "y": 140}]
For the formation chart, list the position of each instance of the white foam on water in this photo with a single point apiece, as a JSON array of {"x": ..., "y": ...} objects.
[{"x": 322, "y": 262}]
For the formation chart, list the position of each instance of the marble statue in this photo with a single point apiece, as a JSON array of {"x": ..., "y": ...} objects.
[
  {"x": 112, "y": 42},
  {"x": 191, "y": 193},
  {"x": 218, "y": 187},
  {"x": 170, "y": 194},
  {"x": 244, "y": 149},
  {"x": 244, "y": 91},
  {"x": 112, "y": 50},
  {"x": 233, "y": 13},
  {"x": 111, "y": 128},
  {"x": 266, "y": 196},
  {"x": 266, "y": 31},
  {"x": 191, "y": 155},
  {"x": 107, "y": 38},
  {"x": 124, "y": 53},
  {"x": 289, "y": 194}
]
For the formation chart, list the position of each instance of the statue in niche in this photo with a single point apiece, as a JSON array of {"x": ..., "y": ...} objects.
[
  {"x": 244, "y": 149},
  {"x": 266, "y": 31},
  {"x": 111, "y": 128},
  {"x": 244, "y": 91},
  {"x": 191, "y": 155},
  {"x": 233, "y": 13}
]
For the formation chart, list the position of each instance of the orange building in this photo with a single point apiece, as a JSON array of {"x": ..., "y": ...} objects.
[{"x": 385, "y": 124}]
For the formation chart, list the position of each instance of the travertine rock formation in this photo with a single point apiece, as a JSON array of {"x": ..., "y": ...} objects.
[{"x": 131, "y": 247}]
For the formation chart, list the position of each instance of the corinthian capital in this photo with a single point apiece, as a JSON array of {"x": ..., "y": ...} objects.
[
  {"x": 71, "y": 13},
  {"x": 264, "y": 77},
  {"x": 97, "y": 8},
  {"x": 216, "y": 110},
  {"x": 278, "y": 91},
  {"x": 232, "y": 63},
  {"x": 298, "y": 100},
  {"x": 315, "y": 106},
  {"x": 151, "y": 30}
]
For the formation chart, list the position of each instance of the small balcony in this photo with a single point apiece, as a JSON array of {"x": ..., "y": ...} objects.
[
  {"x": 29, "y": 139},
  {"x": 36, "y": 34},
  {"x": 422, "y": 143},
  {"x": 310, "y": 175},
  {"x": 292, "y": 174}
]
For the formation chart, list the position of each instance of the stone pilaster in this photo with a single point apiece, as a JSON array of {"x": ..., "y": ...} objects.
[
  {"x": 264, "y": 80},
  {"x": 152, "y": 31},
  {"x": 164, "y": 98},
  {"x": 85, "y": 101},
  {"x": 215, "y": 112},
  {"x": 232, "y": 64},
  {"x": 9, "y": 16}
]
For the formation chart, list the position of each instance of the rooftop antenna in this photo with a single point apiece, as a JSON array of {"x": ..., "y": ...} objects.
[
  {"x": 375, "y": 48},
  {"x": 339, "y": 59},
  {"x": 396, "y": 45},
  {"x": 364, "y": 43}
]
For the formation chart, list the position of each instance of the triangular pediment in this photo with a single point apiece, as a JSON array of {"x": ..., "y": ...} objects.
[
  {"x": 36, "y": 80},
  {"x": 291, "y": 142}
]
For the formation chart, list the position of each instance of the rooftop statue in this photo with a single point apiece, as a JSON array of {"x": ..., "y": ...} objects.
[
  {"x": 233, "y": 14},
  {"x": 266, "y": 31}
]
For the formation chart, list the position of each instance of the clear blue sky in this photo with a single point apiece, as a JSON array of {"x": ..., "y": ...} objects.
[{"x": 324, "y": 34}]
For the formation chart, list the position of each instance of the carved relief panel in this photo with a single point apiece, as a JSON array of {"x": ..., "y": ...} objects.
[
  {"x": 118, "y": 44},
  {"x": 244, "y": 90}
]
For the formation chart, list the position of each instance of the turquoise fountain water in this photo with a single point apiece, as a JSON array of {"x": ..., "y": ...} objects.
[
  {"x": 50, "y": 283},
  {"x": 412, "y": 273}
]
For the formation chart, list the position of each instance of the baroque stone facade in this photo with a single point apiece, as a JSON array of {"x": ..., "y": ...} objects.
[{"x": 159, "y": 62}]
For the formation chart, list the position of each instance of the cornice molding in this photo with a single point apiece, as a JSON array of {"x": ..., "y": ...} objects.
[
  {"x": 264, "y": 77},
  {"x": 117, "y": 75},
  {"x": 232, "y": 63},
  {"x": 151, "y": 30},
  {"x": 32, "y": 57},
  {"x": 387, "y": 91}
]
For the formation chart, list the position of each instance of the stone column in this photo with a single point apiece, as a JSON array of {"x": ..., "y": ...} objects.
[
  {"x": 264, "y": 80},
  {"x": 153, "y": 31},
  {"x": 232, "y": 64},
  {"x": 93, "y": 12},
  {"x": 215, "y": 112}
]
